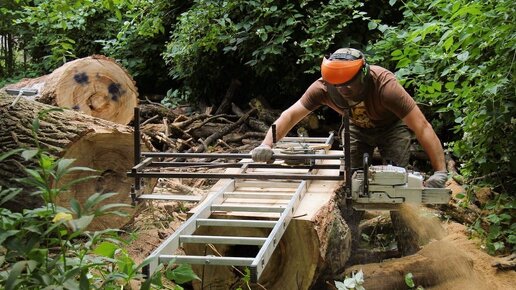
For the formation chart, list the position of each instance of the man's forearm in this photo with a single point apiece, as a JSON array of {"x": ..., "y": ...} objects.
[{"x": 433, "y": 148}]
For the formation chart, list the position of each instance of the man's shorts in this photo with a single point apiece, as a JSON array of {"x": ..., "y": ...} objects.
[{"x": 393, "y": 142}]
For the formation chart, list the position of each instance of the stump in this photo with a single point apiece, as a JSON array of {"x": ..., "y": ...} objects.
[
  {"x": 92, "y": 142},
  {"x": 95, "y": 85}
]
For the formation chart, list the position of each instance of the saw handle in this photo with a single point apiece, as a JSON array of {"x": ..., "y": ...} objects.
[{"x": 274, "y": 139}]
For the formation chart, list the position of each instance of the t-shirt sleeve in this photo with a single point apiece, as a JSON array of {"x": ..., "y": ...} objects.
[
  {"x": 396, "y": 99},
  {"x": 314, "y": 96}
]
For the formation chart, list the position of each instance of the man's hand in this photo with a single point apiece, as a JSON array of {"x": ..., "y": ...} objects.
[
  {"x": 437, "y": 180},
  {"x": 262, "y": 153}
]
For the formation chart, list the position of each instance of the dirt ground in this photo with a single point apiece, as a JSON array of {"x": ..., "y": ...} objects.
[
  {"x": 464, "y": 264},
  {"x": 453, "y": 260},
  {"x": 480, "y": 274}
]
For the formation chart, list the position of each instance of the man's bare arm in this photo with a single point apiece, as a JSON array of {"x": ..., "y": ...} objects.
[{"x": 426, "y": 136}]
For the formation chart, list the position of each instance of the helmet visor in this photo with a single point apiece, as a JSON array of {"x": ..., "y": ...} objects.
[{"x": 340, "y": 71}]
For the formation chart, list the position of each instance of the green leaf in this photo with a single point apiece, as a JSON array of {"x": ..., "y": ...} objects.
[
  {"x": 437, "y": 86},
  {"x": 106, "y": 249},
  {"x": 466, "y": 10},
  {"x": 498, "y": 246},
  {"x": 46, "y": 162},
  {"x": 7, "y": 154},
  {"x": 6, "y": 234},
  {"x": 29, "y": 154},
  {"x": 62, "y": 166},
  {"x": 75, "y": 207},
  {"x": 16, "y": 270},
  {"x": 493, "y": 218},
  {"x": 448, "y": 43},
  {"x": 183, "y": 274},
  {"x": 392, "y": 2},
  {"x": 463, "y": 56},
  {"x": 409, "y": 280},
  {"x": 82, "y": 222},
  {"x": 8, "y": 194},
  {"x": 511, "y": 239},
  {"x": 449, "y": 86},
  {"x": 372, "y": 25},
  {"x": 35, "y": 125},
  {"x": 403, "y": 63},
  {"x": 84, "y": 282}
]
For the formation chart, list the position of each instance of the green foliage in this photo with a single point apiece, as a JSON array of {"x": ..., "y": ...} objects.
[
  {"x": 58, "y": 31},
  {"x": 143, "y": 28},
  {"x": 268, "y": 45},
  {"x": 457, "y": 56},
  {"x": 50, "y": 247},
  {"x": 246, "y": 279},
  {"x": 132, "y": 32},
  {"x": 496, "y": 226}
]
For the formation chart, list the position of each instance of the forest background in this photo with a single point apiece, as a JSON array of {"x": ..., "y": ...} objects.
[{"x": 455, "y": 57}]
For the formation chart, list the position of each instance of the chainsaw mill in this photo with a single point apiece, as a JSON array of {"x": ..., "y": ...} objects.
[{"x": 298, "y": 162}]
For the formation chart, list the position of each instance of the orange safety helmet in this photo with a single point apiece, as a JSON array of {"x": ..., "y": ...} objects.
[{"x": 342, "y": 66}]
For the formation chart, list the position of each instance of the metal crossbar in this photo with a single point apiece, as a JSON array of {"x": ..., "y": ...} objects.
[{"x": 244, "y": 192}]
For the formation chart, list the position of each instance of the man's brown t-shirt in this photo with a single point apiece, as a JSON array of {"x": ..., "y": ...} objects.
[{"x": 385, "y": 102}]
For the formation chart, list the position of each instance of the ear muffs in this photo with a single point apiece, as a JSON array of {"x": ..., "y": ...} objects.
[{"x": 365, "y": 71}]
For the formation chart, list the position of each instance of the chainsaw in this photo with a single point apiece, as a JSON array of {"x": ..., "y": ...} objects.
[
  {"x": 387, "y": 187},
  {"x": 384, "y": 186},
  {"x": 380, "y": 187}
]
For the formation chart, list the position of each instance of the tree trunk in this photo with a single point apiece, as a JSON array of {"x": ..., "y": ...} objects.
[
  {"x": 101, "y": 145},
  {"x": 95, "y": 85},
  {"x": 315, "y": 246}
]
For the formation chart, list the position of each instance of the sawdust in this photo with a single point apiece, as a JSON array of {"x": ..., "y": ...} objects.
[
  {"x": 424, "y": 223},
  {"x": 447, "y": 259},
  {"x": 464, "y": 264},
  {"x": 482, "y": 275}
]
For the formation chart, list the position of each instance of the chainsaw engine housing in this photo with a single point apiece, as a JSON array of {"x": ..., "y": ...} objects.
[{"x": 386, "y": 185}]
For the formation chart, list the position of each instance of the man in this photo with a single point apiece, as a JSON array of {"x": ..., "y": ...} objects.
[{"x": 383, "y": 114}]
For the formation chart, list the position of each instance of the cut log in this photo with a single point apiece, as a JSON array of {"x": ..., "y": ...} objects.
[
  {"x": 314, "y": 247},
  {"x": 92, "y": 142},
  {"x": 95, "y": 85}
]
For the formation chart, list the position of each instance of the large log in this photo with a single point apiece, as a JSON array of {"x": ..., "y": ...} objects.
[
  {"x": 315, "y": 246},
  {"x": 95, "y": 85},
  {"x": 92, "y": 142}
]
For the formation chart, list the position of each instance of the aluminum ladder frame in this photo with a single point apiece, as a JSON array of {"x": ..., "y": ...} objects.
[{"x": 185, "y": 233}]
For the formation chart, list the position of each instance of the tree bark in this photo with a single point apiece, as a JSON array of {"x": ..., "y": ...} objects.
[
  {"x": 101, "y": 145},
  {"x": 95, "y": 85}
]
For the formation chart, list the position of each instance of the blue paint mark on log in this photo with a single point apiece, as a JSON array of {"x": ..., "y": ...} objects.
[
  {"x": 81, "y": 78},
  {"x": 76, "y": 107},
  {"x": 114, "y": 91}
]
